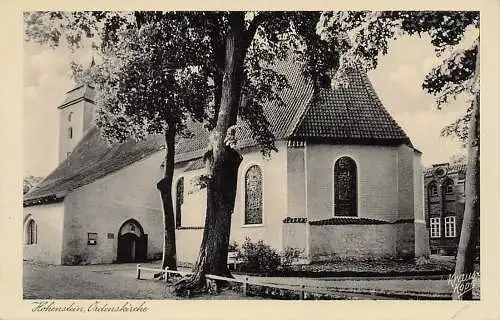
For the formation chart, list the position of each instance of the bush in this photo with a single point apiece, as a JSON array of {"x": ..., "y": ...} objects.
[
  {"x": 233, "y": 246},
  {"x": 291, "y": 255},
  {"x": 258, "y": 257}
]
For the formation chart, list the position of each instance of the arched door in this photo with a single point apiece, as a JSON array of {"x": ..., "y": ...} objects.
[
  {"x": 345, "y": 187},
  {"x": 132, "y": 242}
]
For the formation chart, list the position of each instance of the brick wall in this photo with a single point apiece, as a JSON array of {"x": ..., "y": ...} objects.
[{"x": 442, "y": 205}]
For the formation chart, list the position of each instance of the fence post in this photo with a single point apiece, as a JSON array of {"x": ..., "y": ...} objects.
[
  {"x": 138, "y": 271},
  {"x": 302, "y": 292},
  {"x": 166, "y": 274},
  {"x": 245, "y": 286}
]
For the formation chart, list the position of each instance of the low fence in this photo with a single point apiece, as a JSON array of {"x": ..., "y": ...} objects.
[{"x": 302, "y": 289}]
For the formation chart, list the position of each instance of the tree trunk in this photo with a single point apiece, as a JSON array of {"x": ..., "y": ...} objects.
[
  {"x": 222, "y": 163},
  {"x": 165, "y": 187},
  {"x": 470, "y": 226}
]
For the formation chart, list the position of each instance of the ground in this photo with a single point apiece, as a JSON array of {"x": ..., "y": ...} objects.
[
  {"x": 118, "y": 281},
  {"x": 110, "y": 281}
]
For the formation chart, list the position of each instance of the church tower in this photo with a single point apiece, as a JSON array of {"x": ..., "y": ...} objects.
[{"x": 75, "y": 117}]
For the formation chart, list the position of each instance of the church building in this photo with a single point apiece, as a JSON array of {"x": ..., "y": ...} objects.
[{"x": 346, "y": 182}]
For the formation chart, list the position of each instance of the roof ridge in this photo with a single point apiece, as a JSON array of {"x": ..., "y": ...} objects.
[{"x": 294, "y": 124}]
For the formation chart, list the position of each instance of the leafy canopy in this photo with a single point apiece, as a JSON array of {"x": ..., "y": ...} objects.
[
  {"x": 370, "y": 34},
  {"x": 163, "y": 67}
]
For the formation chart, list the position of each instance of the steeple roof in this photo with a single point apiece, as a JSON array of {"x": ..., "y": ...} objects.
[{"x": 82, "y": 92}]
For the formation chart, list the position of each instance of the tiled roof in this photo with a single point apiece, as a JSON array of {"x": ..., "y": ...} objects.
[
  {"x": 92, "y": 159},
  {"x": 353, "y": 114},
  {"x": 349, "y": 115},
  {"x": 346, "y": 220},
  {"x": 295, "y": 220}
]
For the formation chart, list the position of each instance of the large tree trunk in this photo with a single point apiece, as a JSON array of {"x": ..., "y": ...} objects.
[
  {"x": 222, "y": 163},
  {"x": 470, "y": 226},
  {"x": 165, "y": 186}
]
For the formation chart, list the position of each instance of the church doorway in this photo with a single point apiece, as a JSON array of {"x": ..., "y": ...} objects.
[{"x": 132, "y": 242}]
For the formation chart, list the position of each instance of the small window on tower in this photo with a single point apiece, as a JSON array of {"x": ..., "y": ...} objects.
[
  {"x": 70, "y": 132},
  {"x": 69, "y": 116}
]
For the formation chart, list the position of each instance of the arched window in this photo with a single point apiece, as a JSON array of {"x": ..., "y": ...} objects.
[
  {"x": 253, "y": 195},
  {"x": 31, "y": 232},
  {"x": 432, "y": 189},
  {"x": 448, "y": 186},
  {"x": 179, "y": 200},
  {"x": 69, "y": 116},
  {"x": 70, "y": 132},
  {"x": 345, "y": 187}
]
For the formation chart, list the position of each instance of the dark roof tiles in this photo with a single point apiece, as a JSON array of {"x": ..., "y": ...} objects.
[
  {"x": 350, "y": 113},
  {"x": 346, "y": 220}
]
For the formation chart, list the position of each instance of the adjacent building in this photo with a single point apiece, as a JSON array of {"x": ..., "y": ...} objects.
[{"x": 444, "y": 206}]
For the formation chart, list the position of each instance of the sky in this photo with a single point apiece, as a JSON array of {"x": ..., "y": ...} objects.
[{"x": 397, "y": 81}]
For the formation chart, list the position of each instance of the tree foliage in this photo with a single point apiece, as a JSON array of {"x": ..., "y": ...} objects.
[
  {"x": 370, "y": 35},
  {"x": 228, "y": 55}
]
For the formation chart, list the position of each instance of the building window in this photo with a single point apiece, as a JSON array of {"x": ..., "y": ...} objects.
[
  {"x": 449, "y": 227},
  {"x": 69, "y": 116},
  {"x": 179, "y": 200},
  {"x": 432, "y": 189},
  {"x": 448, "y": 186},
  {"x": 91, "y": 239},
  {"x": 461, "y": 175},
  {"x": 253, "y": 195},
  {"x": 345, "y": 187},
  {"x": 435, "y": 227},
  {"x": 31, "y": 232},
  {"x": 70, "y": 132}
]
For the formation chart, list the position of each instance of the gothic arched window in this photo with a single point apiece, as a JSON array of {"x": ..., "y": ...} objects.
[
  {"x": 345, "y": 187},
  {"x": 31, "y": 232},
  {"x": 253, "y": 195},
  {"x": 448, "y": 186},
  {"x": 432, "y": 189},
  {"x": 179, "y": 200}
]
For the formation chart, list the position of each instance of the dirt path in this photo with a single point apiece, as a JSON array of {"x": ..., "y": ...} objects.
[{"x": 116, "y": 281}]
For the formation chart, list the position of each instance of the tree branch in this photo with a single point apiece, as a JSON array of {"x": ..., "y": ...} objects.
[{"x": 254, "y": 24}]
